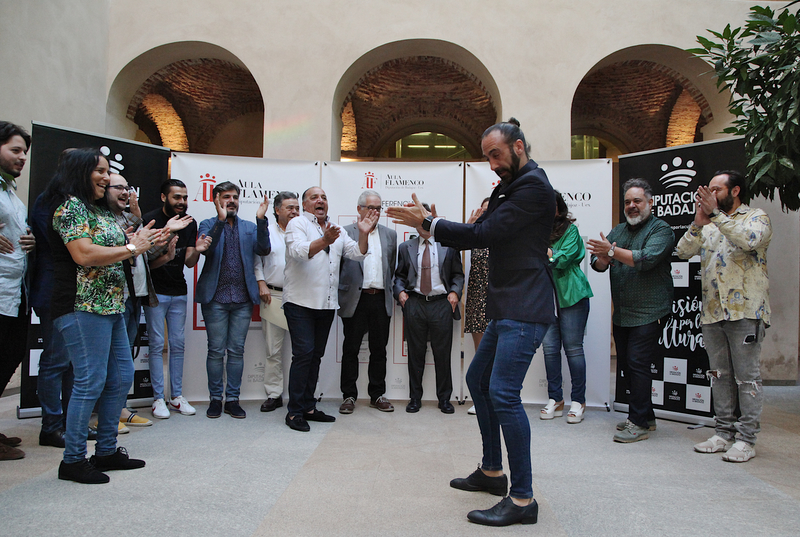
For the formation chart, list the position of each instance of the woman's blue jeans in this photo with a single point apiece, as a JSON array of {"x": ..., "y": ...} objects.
[
  {"x": 495, "y": 379},
  {"x": 567, "y": 332},
  {"x": 98, "y": 347}
]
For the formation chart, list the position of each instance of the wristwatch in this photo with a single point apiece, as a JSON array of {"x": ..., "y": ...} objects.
[
  {"x": 426, "y": 224},
  {"x": 611, "y": 251},
  {"x": 132, "y": 249},
  {"x": 714, "y": 213}
]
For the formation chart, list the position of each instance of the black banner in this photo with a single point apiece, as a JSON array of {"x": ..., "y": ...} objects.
[
  {"x": 145, "y": 167},
  {"x": 680, "y": 385}
]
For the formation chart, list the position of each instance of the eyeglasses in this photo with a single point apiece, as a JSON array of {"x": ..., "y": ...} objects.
[
  {"x": 371, "y": 207},
  {"x": 122, "y": 188}
]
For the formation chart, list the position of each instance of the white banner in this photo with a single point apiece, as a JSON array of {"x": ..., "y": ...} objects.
[
  {"x": 586, "y": 186},
  {"x": 439, "y": 183},
  {"x": 255, "y": 177}
]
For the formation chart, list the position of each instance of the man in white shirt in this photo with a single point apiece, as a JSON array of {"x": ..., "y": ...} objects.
[
  {"x": 366, "y": 306},
  {"x": 16, "y": 241},
  {"x": 314, "y": 250},
  {"x": 269, "y": 275}
]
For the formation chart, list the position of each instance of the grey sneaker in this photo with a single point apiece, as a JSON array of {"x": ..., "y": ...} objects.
[
  {"x": 631, "y": 433},
  {"x": 740, "y": 452},
  {"x": 651, "y": 425},
  {"x": 714, "y": 444}
]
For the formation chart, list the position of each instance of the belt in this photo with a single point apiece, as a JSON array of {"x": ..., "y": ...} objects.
[
  {"x": 430, "y": 298},
  {"x": 275, "y": 287},
  {"x": 371, "y": 291}
]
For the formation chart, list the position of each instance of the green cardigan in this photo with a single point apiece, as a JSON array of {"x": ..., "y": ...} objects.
[{"x": 571, "y": 283}]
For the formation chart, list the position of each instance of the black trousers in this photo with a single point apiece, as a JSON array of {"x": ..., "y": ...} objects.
[
  {"x": 369, "y": 317},
  {"x": 424, "y": 320},
  {"x": 637, "y": 348},
  {"x": 13, "y": 343}
]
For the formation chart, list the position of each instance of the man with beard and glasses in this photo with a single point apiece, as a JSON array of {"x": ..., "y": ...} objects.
[
  {"x": 227, "y": 291},
  {"x": 166, "y": 272},
  {"x": 638, "y": 252},
  {"x": 731, "y": 239}
]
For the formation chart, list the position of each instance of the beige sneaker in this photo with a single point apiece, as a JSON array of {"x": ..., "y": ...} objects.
[
  {"x": 714, "y": 444},
  {"x": 740, "y": 452}
]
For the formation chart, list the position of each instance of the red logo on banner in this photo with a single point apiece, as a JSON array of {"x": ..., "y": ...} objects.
[
  {"x": 207, "y": 183},
  {"x": 369, "y": 181},
  {"x": 674, "y": 367}
]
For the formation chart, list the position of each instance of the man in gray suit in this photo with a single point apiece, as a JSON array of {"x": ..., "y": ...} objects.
[
  {"x": 428, "y": 284},
  {"x": 366, "y": 306}
]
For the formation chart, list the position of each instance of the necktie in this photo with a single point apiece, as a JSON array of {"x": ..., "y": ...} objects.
[{"x": 425, "y": 271}]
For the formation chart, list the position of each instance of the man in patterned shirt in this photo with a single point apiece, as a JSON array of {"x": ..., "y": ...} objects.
[
  {"x": 638, "y": 252},
  {"x": 731, "y": 239},
  {"x": 227, "y": 291}
]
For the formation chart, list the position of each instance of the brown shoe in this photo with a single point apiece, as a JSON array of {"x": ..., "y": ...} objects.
[
  {"x": 8, "y": 453},
  {"x": 347, "y": 406},
  {"x": 382, "y": 404},
  {"x": 12, "y": 441}
]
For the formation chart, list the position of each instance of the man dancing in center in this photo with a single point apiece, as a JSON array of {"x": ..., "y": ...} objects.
[{"x": 520, "y": 303}]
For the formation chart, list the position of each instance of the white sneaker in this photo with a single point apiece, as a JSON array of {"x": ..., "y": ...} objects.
[
  {"x": 160, "y": 409},
  {"x": 715, "y": 444},
  {"x": 471, "y": 410},
  {"x": 182, "y": 405},
  {"x": 740, "y": 452}
]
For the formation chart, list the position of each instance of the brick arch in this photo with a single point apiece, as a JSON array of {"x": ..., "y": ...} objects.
[
  {"x": 635, "y": 100},
  {"x": 205, "y": 93},
  {"x": 412, "y": 86}
]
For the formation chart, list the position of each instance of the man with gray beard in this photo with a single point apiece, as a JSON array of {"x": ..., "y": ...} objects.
[{"x": 638, "y": 252}]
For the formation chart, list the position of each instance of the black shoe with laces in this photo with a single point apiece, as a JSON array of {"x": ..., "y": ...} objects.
[
  {"x": 214, "y": 409},
  {"x": 119, "y": 460},
  {"x": 81, "y": 472}
]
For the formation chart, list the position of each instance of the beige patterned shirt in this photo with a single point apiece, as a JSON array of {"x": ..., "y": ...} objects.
[{"x": 733, "y": 264}]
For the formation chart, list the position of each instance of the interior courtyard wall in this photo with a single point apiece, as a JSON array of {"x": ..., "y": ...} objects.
[{"x": 66, "y": 70}]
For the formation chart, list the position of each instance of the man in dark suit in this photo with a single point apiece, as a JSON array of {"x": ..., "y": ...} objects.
[
  {"x": 428, "y": 285},
  {"x": 520, "y": 303},
  {"x": 366, "y": 306}
]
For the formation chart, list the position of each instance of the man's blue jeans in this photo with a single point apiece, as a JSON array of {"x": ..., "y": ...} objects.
[
  {"x": 308, "y": 329},
  {"x": 132, "y": 316},
  {"x": 568, "y": 332},
  {"x": 55, "y": 375},
  {"x": 495, "y": 379},
  {"x": 171, "y": 309},
  {"x": 98, "y": 347},
  {"x": 226, "y": 329},
  {"x": 637, "y": 348}
]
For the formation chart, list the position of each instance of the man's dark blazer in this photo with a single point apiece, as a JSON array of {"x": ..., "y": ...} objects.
[
  {"x": 450, "y": 270},
  {"x": 516, "y": 228},
  {"x": 351, "y": 273}
]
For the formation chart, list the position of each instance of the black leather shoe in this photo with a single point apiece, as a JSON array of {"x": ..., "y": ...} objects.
[
  {"x": 92, "y": 435},
  {"x": 413, "y": 406},
  {"x": 271, "y": 404},
  {"x": 446, "y": 407},
  {"x": 318, "y": 415},
  {"x": 478, "y": 481},
  {"x": 53, "y": 438},
  {"x": 214, "y": 409},
  {"x": 81, "y": 472},
  {"x": 11, "y": 441},
  {"x": 506, "y": 513},
  {"x": 236, "y": 411},
  {"x": 119, "y": 460},
  {"x": 297, "y": 423}
]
